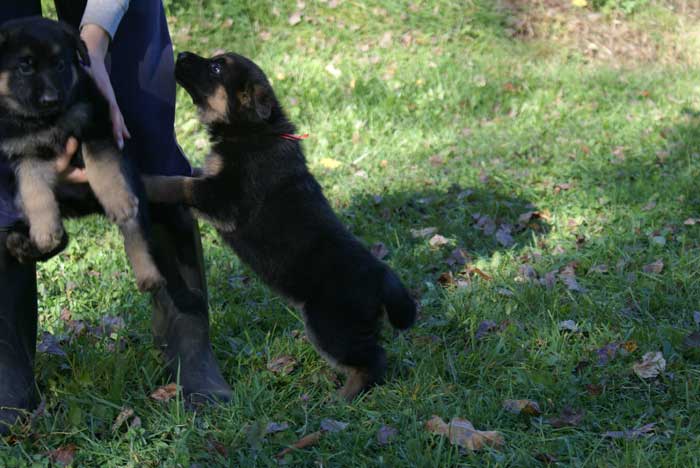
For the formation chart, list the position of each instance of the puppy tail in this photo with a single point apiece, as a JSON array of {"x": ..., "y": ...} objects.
[{"x": 398, "y": 303}]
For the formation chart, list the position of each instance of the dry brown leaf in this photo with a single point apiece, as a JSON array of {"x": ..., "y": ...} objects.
[
  {"x": 568, "y": 417},
  {"x": 438, "y": 241},
  {"x": 63, "y": 456},
  {"x": 165, "y": 393},
  {"x": 295, "y": 18},
  {"x": 526, "y": 407},
  {"x": 306, "y": 441},
  {"x": 651, "y": 365},
  {"x": 123, "y": 416},
  {"x": 284, "y": 365},
  {"x": 479, "y": 272},
  {"x": 461, "y": 432},
  {"x": 386, "y": 434},
  {"x": 654, "y": 267},
  {"x": 424, "y": 232}
]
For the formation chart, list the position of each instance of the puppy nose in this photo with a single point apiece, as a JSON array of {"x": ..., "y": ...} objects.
[{"x": 49, "y": 98}]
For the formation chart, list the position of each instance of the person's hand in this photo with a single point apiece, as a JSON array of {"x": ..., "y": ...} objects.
[
  {"x": 67, "y": 173},
  {"x": 97, "y": 41}
]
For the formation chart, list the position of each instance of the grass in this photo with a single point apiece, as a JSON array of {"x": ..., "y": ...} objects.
[{"x": 438, "y": 113}]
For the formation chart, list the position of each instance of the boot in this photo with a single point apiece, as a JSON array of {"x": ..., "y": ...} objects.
[
  {"x": 18, "y": 327},
  {"x": 180, "y": 321}
]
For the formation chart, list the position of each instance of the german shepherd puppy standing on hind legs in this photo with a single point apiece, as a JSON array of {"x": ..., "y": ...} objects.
[
  {"x": 257, "y": 191},
  {"x": 45, "y": 98}
]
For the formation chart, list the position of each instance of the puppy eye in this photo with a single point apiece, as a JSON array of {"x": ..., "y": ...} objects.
[
  {"x": 60, "y": 66},
  {"x": 215, "y": 68},
  {"x": 26, "y": 67}
]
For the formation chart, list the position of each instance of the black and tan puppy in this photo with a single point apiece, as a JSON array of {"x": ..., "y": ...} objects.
[
  {"x": 45, "y": 97},
  {"x": 259, "y": 194}
]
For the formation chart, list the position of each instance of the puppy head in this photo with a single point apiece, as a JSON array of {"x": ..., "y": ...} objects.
[
  {"x": 38, "y": 66},
  {"x": 227, "y": 88}
]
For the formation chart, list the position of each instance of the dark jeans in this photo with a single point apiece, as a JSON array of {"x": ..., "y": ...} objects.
[{"x": 142, "y": 73}]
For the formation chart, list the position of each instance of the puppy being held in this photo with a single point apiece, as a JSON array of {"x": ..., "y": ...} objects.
[
  {"x": 257, "y": 191},
  {"x": 46, "y": 97}
]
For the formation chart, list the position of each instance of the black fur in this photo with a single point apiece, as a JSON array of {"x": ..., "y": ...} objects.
[{"x": 272, "y": 212}]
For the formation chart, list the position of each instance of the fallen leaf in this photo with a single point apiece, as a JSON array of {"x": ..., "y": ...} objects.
[
  {"x": 63, "y": 455},
  {"x": 630, "y": 346},
  {"x": 654, "y": 267},
  {"x": 446, "y": 279},
  {"x": 569, "y": 325},
  {"x": 284, "y": 365},
  {"x": 526, "y": 407},
  {"x": 331, "y": 425},
  {"x": 572, "y": 284},
  {"x": 461, "y": 432},
  {"x": 438, "y": 241},
  {"x": 424, "y": 232},
  {"x": 692, "y": 340},
  {"x": 385, "y": 41},
  {"x": 649, "y": 206},
  {"x": 485, "y": 327},
  {"x": 479, "y": 272},
  {"x": 651, "y": 365},
  {"x": 333, "y": 71},
  {"x": 436, "y": 161},
  {"x": 602, "y": 268},
  {"x": 594, "y": 390},
  {"x": 386, "y": 434},
  {"x": 527, "y": 272},
  {"x": 122, "y": 417},
  {"x": 329, "y": 163},
  {"x": 567, "y": 418},
  {"x": 504, "y": 237},
  {"x": 607, "y": 353},
  {"x": 458, "y": 258},
  {"x": 295, "y": 18},
  {"x": 379, "y": 250},
  {"x": 306, "y": 441},
  {"x": 546, "y": 458},
  {"x": 691, "y": 221},
  {"x": 273, "y": 427},
  {"x": 631, "y": 434},
  {"x": 165, "y": 393},
  {"x": 48, "y": 344}
]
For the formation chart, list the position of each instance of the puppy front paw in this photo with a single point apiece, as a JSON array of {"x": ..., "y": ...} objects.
[
  {"x": 46, "y": 237},
  {"x": 120, "y": 209},
  {"x": 150, "y": 280}
]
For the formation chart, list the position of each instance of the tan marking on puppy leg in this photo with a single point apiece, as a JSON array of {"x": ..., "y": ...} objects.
[
  {"x": 357, "y": 379},
  {"x": 104, "y": 173},
  {"x": 148, "y": 278},
  {"x": 166, "y": 189},
  {"x": 4, "y": 83},
  {"x": 217, "y": 107},
  {"x": 36, "y": 180},
  {"x": 213, "y": 165}
]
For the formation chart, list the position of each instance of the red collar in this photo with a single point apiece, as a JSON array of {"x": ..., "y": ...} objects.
[{"x": 289, "y": 136}]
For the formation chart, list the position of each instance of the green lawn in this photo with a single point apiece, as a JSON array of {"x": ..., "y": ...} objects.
[{"x": 443, "y": 114}]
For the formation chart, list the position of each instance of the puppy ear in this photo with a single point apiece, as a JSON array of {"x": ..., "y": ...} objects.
[
  {"x": 262, "y": 101},
  {"x": 77, "y": 42}
]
